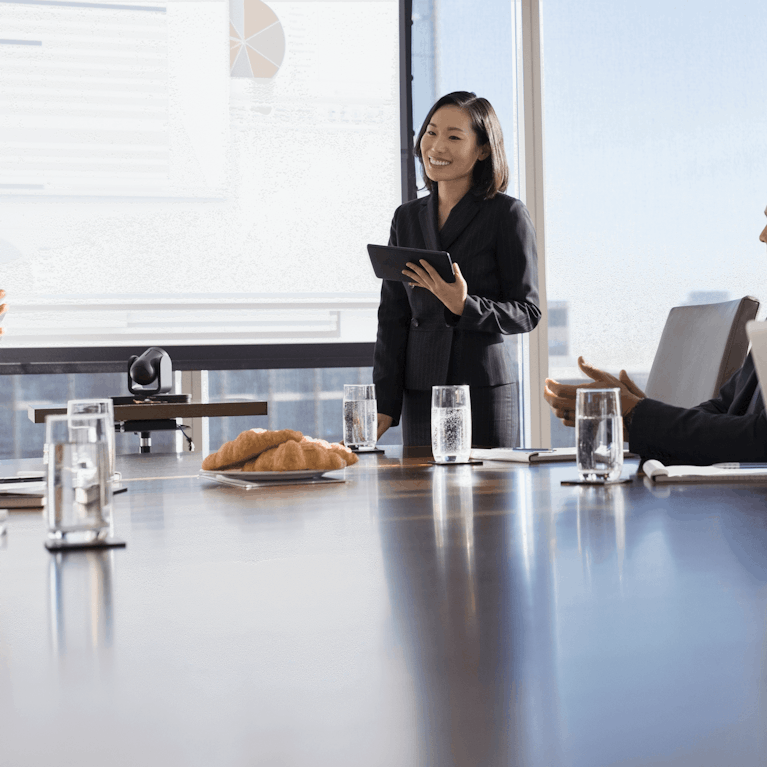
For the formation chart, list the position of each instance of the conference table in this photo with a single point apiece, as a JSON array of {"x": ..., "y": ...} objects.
[{"x": 412, "y": 615}]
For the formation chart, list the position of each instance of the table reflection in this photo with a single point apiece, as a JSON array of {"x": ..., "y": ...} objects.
[
  {"x": 458, "y": 589},
  {"x": 601, "y": 526},
  {"x": 81, "y": 615}
]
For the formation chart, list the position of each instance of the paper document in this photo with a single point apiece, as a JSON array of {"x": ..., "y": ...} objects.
[
  {"x": 525, "y": 455},
  {"x": 657, "y": 472},
  {"x": 530, "y": 455}
]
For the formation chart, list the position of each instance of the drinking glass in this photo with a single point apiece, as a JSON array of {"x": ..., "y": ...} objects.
[
  {"x": 79, "y": 494},
  {"x": 450, "y": 423},
  {"x": 77, "y": 407},
  {"x": 599, "y": 434},
  {"x": 360, "y": 416}
]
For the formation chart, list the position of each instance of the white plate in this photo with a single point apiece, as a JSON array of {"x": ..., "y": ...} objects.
[{"x": 266, "y": 476}]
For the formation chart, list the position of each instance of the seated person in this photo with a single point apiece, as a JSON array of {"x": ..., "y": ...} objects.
[{"x": 730, "y": 427}]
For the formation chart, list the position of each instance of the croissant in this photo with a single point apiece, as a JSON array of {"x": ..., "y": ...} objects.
[
  {"x": 301, "y": 456},
  {"x": 341, "y": 450},
  {"x": 246, "y": 447}
]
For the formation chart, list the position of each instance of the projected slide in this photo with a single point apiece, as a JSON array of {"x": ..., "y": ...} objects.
[
  {"x": 256, "y": 38},
  {"x": 152, "y": 198},
  {"x": 90, "y": 102}
]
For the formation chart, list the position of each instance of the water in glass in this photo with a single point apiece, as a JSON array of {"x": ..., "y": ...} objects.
[
  {"x": 599, "y": 434},
  {"x": 78, "y": 505},
  {"x": 360, "y": 424},
  {"x": 451, "y": 434}
]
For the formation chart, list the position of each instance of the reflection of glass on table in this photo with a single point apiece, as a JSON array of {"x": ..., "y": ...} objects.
[{"x": 81, "y": 601}]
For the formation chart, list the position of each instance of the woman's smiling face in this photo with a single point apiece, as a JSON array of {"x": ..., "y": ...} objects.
[{"x": 449, "y": 146}]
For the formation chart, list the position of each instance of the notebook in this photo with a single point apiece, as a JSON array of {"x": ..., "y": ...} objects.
[
  {"x": 722, "y": 472},
  {"x": 22, "y": 495},
  {"x": 531, "y": 455},
  {"x": 525, "y": 455}
]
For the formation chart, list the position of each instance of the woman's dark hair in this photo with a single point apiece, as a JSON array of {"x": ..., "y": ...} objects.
[{"x": 491, "y": 175}]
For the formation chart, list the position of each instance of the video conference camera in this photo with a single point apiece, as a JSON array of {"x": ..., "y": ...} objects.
[{"x": 150, "y": 374}]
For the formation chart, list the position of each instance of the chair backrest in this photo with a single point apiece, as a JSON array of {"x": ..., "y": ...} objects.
[{"x": 701, "y": 347}]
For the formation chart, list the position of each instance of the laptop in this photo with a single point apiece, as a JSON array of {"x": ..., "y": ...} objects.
[{"x": 757, "y": 335}]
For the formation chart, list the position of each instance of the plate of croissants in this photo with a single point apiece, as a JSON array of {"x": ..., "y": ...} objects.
[{"x": 262, "y": 454}]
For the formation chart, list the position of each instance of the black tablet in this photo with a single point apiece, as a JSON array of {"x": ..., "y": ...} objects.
[{"x": 388, "y": 262}]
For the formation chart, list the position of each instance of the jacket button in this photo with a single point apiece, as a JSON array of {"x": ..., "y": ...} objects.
[{"x": 416, "y": 323}]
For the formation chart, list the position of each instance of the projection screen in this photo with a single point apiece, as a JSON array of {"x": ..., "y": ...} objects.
[{"x": 195, "y": 172}]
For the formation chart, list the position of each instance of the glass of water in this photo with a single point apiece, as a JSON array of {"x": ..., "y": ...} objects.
[
  {"x": 360, "y": 416},
  {"x": 79, "y": 407},
  {"x": 450, "y": 424},
  {"x": 78, "y": 507},
  {"x": 599, "y": 434}
]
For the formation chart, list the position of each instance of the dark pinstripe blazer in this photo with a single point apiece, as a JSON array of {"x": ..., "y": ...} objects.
[{"x": 420, "y": 342}]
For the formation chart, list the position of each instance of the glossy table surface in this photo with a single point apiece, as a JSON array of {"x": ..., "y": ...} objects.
[{"x": 413, "y": 615}]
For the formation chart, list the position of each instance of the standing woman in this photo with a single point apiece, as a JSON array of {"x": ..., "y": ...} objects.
[{"x": 432, "y": 333}]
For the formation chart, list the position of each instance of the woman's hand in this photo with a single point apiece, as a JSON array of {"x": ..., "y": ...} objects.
[
  {"x": 384, "y": 422},
  {"x": 452, "y": 294},
  {"x": 3, "y": 307}
]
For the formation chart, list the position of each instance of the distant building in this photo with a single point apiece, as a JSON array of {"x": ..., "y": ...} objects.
[
  {"x": 697, "y": 297},
  {"x": 559, "y": 345}
]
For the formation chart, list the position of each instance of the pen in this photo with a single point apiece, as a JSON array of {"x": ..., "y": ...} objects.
[{"x": 736, "y": 465}]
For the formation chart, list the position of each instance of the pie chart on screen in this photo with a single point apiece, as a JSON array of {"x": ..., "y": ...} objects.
[{"x": 256, "y": 39}]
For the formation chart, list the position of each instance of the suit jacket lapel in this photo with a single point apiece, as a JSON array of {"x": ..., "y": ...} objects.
[
  {"x": 460, "y": 217},
  {"x": 428, "y": 219}
]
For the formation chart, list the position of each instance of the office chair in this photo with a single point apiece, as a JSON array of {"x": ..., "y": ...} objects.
[{"x": 701, "y": 347}]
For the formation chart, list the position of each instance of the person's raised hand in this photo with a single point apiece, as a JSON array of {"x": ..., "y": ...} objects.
[
  {"x": 561, "y": 397},
  {"x": 384, "y": 422},
  {"x": 621, "y": 382},
  {"x": 452, "y": 294}
]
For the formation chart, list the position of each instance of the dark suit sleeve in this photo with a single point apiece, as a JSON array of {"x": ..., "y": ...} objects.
[
  {"x": 391, "y": 343},
  {"x": 701, "y": 435},
  {"x": 517, "y": 260}
]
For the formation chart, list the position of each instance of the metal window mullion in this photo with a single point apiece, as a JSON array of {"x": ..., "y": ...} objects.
[
  {"x": 533, "y": 195},
  {"x": 407, "y": 161}
]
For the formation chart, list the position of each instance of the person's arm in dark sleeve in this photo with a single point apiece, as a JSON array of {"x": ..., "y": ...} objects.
[
  {"x": 727, "y": 393},
  {"x": 517, "y": 258},
  {"x": 697, "y": 436},
  {"x": 391, "y": 343}
]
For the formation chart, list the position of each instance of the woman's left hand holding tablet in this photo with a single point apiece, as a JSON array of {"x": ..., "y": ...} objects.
[{"x": 452, "y": 294}]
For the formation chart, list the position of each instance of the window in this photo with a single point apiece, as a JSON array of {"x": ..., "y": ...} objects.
[{"x": 656, "y": 155}]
